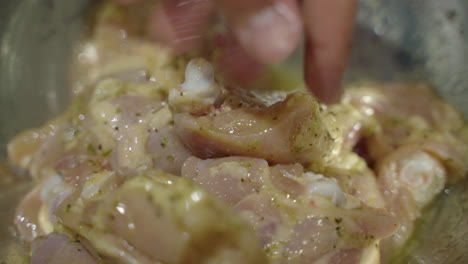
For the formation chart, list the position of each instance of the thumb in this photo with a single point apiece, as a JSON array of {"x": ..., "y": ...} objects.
[{"x": 268, "y": 30}]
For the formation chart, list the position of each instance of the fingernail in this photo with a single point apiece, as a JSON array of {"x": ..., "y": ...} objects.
[
  {"x": 270, "y": 34},
  {"x": 326, "y": 85},
  {"x": 332, "y": 90}
]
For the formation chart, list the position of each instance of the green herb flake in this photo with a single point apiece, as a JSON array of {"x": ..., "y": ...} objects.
[
  {"x": 174, "y": 197},
  {"x": 164, "y": 142},
  {"x": 107, "y": 153},
  {"x": 253, "y": 146},
  {"x": 120, "y": 92},
  {"x": 298, "y": 149},
  {"x": 91, "y": 149},
  {"x": 68, "y": 208}
]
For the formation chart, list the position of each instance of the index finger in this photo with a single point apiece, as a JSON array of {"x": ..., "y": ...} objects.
[{"x": 329, "y": 28}]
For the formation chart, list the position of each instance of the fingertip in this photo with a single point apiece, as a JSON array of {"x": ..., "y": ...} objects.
[
  {"x": 323, "y": 80},
  {"x": 327, "y": 91},
  {"x": 271, "y": 33},
  {"x": 328, "y": 45}
]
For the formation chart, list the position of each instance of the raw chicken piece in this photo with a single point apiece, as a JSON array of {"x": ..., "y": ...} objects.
[
  {"x": 299, "y": 217},
  {"x": 283, "y": 178},
  {"x": 137, "y": 125},
  {"x": 404, "y": 101},
  {"x": 416, "y": 147},
  {"x": 121, "y": 116},
  {"x": 402, "y": 120},
  {"x": 410, "y": 178},
  {"x": 27, "y": 216},
  {"x": 361, "y": 184},
  {"x": 156, "y": 218},
  {"x": 166, "y": 149},
  {"x": 348, "y": 125},
  {"x": 111, "y": 54},
  {"x": 118, "y": 126},
  {"x": 230, "y": 179},
  {"x": 286, "y": 132},
  {"x": 262, "y": 215},
  {"x": 37, "y": 149}
]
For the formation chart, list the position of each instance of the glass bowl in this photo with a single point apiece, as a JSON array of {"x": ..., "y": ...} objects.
[{"x": 399, "y": 40}]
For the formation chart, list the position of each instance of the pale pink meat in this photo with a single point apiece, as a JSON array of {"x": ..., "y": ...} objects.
[
  {"x": 76, "y": 168},
  {"x": 403, "y": 119},
  {"x": 27, "y": 216},
  {"x": 230, "y": 179},
  {"x": 37, "y": 150},
  {"x": 143, "y": 136},
  {"x": 455, "y": 160},
  {"x": 415, "y": 149},
  {"x": 286, "y": 132},
  {"x": 293, "y": 213},
  {"x": 143, "y": 225},
  {"x": 404, "y": 100},
  {"x": 261, "y": 214},
  {"x": 132, "y": 108},
  {"x": 167, "y": 150},
  {"x": 158, "y": 218},
  {"x": 312, "y": 238},
  {"x": 409, "y": 178},
  {"x": 361, "y": 184},
  {"x": 348, "y": 124},
  {"x": 283, "y": 178}
]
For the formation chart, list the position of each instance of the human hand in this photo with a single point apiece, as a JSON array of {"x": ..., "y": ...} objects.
[{"x": 266, "y": 31}]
